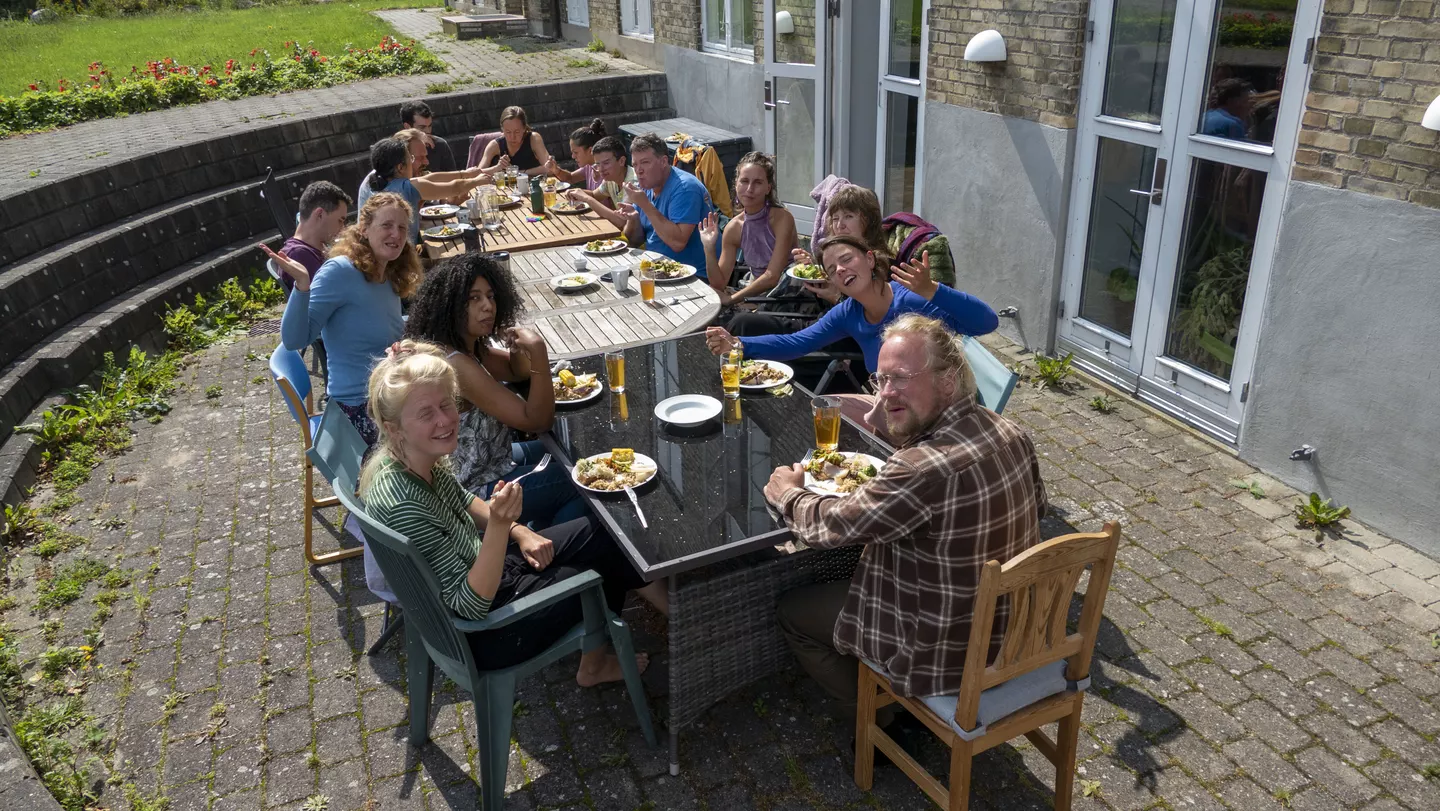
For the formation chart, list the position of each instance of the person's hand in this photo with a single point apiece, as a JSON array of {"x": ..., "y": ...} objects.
[
  {"x": 548, "y": 167},
  {"x": 526, "y": 341},
  {"x": 538, "y": 550},
  {"x": 916, "y": 277},
  {"x": 629, "y": 212},
  {"x": 505, "y": 502},
  {"x": 801, "y": 256},
  {"x": 710, "y": 230},
  {"x": 720, "y": 340},
  {"x": 296, "y": 270},
  {"x": 823, "y": 289},
  {"x": 783, "y": 480},
  {"x": 726, "y": 299},
  {"x": 634, "y": 194}
]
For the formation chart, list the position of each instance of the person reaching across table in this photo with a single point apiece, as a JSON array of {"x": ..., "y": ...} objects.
[
  {"x": 353, "y": 301},
  {"x": 763, "y": 230},
  {"x": 962, "y": 489},
  {"x": 465, "y": 304},
  {"x": 612, "y": 168},
  {"x": 466, "y": 540},
  {"x": 517, "y": 146},
  {"x": 665, "y": 206},
  {"x": 394, "y": 171},
  {"x": 323, "y": 209}
]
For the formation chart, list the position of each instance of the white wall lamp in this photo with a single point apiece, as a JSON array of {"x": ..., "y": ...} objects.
[
  {"x": 1431, "y": 120},
  {"x": 784, "y": 23},
  {"x": 986, "y": 46}
]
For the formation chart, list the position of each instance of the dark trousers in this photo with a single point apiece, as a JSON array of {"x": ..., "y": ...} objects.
[
  {"x": 807, "y": 617},
  {"x": 578, "y": 547}
]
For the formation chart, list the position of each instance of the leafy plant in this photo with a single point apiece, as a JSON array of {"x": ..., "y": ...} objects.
[
  {"x": 316, "y": 802},
  {"x": 55, "y": 663},
  {"x": 1431, "y": 771},
  {"x": 1253, "y": 488},
  {"x": 1318, "y": 512},
  {"x": 581, "y": 63},
  {"x": 214, "y": 391},
  {"x": 41, "y": 732},
  {"x": 439, "y": 87},
  {"x": 1052, "y": 373},
  {"x": 595, "y": 47},
  {"x": 1090, "y": 788},
  {"x": 66, "y": 584},
  {"x": 1102, "y": 404}
]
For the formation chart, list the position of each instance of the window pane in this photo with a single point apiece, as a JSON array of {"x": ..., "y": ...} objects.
[
  {"x": 901, "y": 116},
  {"x": 1222, "y": 216},
  {"x": 742, "y": 24},
  {"x": 1116, "y": 237},
  {"x": 906, "y": 28},
  {"x": 797, "y": 48},
  {"x": 1247, "y": 71},
  {"x": 714, "y": 11},
  {"x": 1139, "y": 57},
  {"x": 795, "y": 138}
]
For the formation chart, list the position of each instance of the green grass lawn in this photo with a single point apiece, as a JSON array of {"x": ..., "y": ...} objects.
[{"x": 65, "y": 49}]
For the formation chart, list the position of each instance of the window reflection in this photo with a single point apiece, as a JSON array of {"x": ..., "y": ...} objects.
[
  {"x": 1117, "y": 234},
  {"x": 1139, "y": 59},
  {"x": 1247, "y": 70}
]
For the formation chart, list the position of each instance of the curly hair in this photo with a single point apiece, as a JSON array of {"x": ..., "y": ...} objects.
[
  {"x": 863, "y": 203},
  {"x": 404, "y": 272},
  {"x": 441, "y": 306}
]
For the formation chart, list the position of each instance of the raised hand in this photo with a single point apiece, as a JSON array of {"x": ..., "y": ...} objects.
[
  {"x": 505, "y": 503},
  {"x": 710, "y": 230},
  {"x": 296, "y": 270},
  {"x": 629, "y": 211},
  {"x": 634, "y": 194},
  {"x": 801, "y": 256},
  {"x": 719, "y": 340},
  {"x": 916, "y": 277}
]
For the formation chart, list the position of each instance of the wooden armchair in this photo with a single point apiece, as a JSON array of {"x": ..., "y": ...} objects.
[{"x": 1039, "y": 676}]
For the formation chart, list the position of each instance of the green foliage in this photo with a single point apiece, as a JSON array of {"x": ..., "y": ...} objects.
[
  {"x": 505, "y": 49},
  {"x": 1090, "y": 788},
  {"x": 12, "y": 683},
  {"x": 439, "y": 87},
  {"x": 1245, "y": 30},
  {"x": 316, "y": 802},
  {"x": 214, "y": 391},
  {"x": 1253, "y": 488},
  {"x": 168, "y": 83},
  {"x": 42, "y": 732},
  {"x": 56, "y": 663},
  {"x": 1431, "y": 771},
  {"x": 587, "y": 62},
  {"x": 68, "y": 582},
  {"x": 595, "y": 47},
  {"x": 1318, "y": 512},
  {"x": 211, "y": 319},
  {"x": 1052, "y": 373},
  {"x": 1102, "y": 403}
]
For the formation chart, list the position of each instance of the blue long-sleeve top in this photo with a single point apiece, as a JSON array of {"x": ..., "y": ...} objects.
[
  {"x": 960, "y": 311},
  {"x": 357, "y": 318}
]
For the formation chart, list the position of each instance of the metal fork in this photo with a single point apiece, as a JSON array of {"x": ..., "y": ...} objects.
[
  {"x": 635, "y": 502},
  {"x": 544, "y": 460},
  {"x": 673, "y": 300}
]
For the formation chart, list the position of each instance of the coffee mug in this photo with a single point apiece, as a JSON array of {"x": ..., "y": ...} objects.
[{"x": 622, "y": 279}]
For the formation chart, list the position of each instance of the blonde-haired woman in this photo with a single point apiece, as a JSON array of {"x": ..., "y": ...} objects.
[
  {"x": 407, "y": 486},
  {"x": 353, "y": 302},
  {"x": 763, "y": 231}
]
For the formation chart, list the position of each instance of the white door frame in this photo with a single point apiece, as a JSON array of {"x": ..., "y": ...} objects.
[
  {"x": 914, "y": 88},
  {"x": 1139, "y": 363},
  {"x": 818, "y": 75}
]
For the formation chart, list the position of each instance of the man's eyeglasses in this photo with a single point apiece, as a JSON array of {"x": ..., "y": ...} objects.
[{"x": 896, "y": 382}]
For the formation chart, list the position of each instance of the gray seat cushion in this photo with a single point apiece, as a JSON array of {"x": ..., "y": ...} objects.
[{"x": 1003, "y": 699}]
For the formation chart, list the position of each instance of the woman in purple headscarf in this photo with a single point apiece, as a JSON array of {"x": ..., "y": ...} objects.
[{"x": 762, "y": 234}]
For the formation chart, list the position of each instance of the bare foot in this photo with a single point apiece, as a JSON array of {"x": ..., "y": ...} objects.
[{"x": 608, "y": 670}]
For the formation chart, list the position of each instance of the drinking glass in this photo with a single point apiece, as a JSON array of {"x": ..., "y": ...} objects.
[
  {"x": 549, "y": 197},
  {"x": 826, "y": 411},
  {"x": 730, "y": 372},
  {"x": 615, "y": 370},
  {"x": 647, "y": 286},
  {"x": 619, "y": 410}
]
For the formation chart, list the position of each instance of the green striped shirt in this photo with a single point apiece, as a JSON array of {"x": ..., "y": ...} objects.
[{"x": 436, "y": 519}]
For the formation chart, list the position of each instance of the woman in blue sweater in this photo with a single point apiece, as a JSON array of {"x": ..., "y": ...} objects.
[{"x": 353, "y": 302}]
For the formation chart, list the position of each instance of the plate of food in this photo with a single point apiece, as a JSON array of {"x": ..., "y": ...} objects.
[
  {"x": 570, "y": 207},
  {"x": 555, "y": 185},
  {"x": 571, "y": 389},
  {"x": 503, "y": 201},
  {"x": 571, "y": 282},
  {"x": 806, "y": 273},
  {"x": 666, "y": 269},
  {"x": 837, "y": 472},
  {"x": 452, "y": 231},
  {"x": 764, "y": 374},
  {"x": 604, "y": 247},
  {"x": 438, "y": 212},
  {"x": 614, "y": 471}
]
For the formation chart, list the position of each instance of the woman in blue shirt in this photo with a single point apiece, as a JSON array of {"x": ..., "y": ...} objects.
[
  {"x": 353, "y": 302},
  {"x": 393, "y": 170}
]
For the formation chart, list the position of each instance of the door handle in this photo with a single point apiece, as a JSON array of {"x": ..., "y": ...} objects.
[
  {"x": 769, "y": 93},
  {"x": 1156, "y": 192}
]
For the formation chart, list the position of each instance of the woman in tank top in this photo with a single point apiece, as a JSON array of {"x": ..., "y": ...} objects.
[
  {"x": 762, "y": 234},
  {"x": 518, "y": 146}
]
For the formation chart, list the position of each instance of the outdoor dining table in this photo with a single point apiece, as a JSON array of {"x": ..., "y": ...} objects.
[
  {"x": 710, "y": 530},
  {"x": 599, "y": 318},
  {"x": 518, "y": 234}
]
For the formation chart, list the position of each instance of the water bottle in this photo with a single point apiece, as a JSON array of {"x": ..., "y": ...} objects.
[{"x": 537, "y": 199}]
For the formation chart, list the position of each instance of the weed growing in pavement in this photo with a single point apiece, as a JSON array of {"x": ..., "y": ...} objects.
[
  {"x": 1318, "y": 513},
  {"x": 439, "y": 87},
  {"x": 12, "y": 684},
  {"x": 595, "y": 47},
  {"x": 316, "y": 802},
  {"x": 581, "y": 63},
  {"x": 1102, "y": 404},
  {"x": 1282, "y": 796},
  {"x": 505, "y": 49},
  {"x": 1053, "y": 373},
  {"x": 1218, "y": 628},
  {"x": 50, "y": 630},
  {"x": 1253, "y": 488},
  {"x": 1431, "y": 771},
  {"x": 44, "y": 735},
  {"x": 57, "y": 663},
  {"x": 1090, "y": 788},
  {"x": 214, "y": 391},
  {"x": 141, "y": 802},
  {"x": 66, "y": 584}
]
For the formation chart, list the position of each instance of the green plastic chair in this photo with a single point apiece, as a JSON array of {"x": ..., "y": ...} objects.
[
  {"x": 436, "y": 635},
  {"x": 994, "y": 381}
]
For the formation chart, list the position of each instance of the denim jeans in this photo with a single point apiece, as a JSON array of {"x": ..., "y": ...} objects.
[{"x": 550, "y": 496}]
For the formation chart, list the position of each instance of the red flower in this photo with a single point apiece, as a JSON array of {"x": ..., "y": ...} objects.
[
  {"x": 212, "y": 82},
  {"x": 323, "y": 59},
  {"x": 253, "y": 50},
  {"x": 33, "y": 87}
]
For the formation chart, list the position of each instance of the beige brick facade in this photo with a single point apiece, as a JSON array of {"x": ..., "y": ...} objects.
[
  {"x": 604, "y": 16},
  {"x": 1039, "y": 81},
  {"x": 677, "y": 22},
  {"x": 1377, "y": 67}
]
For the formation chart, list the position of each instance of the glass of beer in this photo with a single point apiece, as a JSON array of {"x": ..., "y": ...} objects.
[
  {"x": 647, "y": 286},
  {"x": 550, "y": 194},
  {"x": 615, "y": 370},
  {"x": 619, "y": 410},
  {"x": 827, "y": 423},
  {"x": 730, "y": 372},
  {"x": 733, "y": 413}
]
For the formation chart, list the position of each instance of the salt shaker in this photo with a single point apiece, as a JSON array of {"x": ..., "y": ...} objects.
[{"x": 580, "y": 264}]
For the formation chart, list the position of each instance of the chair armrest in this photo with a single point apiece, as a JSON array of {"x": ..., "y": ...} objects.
[{"x": 510, "y": 612}]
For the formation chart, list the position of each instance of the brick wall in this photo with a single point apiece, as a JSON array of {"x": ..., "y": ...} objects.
[
  {"x": 604, "y": 16},
  {"x": 1377, "y": 67},
  {"x": 1039, "y": 81},
  {"x": 677, "y": 22}
]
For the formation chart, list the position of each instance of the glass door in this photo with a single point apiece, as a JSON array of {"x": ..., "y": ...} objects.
[
  {"x": 902, "y": 58},
  {"x": 1182, "y": 156},
  {"x": 795, "y": 93}
]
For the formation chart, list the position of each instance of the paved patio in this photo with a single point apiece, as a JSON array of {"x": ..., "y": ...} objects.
[{"x": 1241, "y": 663}]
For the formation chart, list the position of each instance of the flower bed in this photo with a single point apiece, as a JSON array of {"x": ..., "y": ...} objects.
[{"x": 166, "y": 83}]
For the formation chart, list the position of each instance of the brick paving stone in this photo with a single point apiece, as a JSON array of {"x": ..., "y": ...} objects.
[
  {"x": 1265, "y": 722},
  {"x": 1353, "y": 745},
  {"x": 1262, "y": 764},
  {"x": 1417, "y": 713},
  {"x": 1339, "y": 779}
]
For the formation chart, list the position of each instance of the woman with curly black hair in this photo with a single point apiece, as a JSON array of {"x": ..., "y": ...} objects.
[{"x": 468, "y": 305}]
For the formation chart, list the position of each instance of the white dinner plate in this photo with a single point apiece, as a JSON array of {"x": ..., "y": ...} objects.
[
  {"x": 827, "y": 488},
  {"x": 790, "y": 271},
  {"x": 642, "y": 463},
  {"x": 460, "y": 229},
  {"x": 687, "y": 271},
  {"x": 599, "y": 387},
  {"x": 687, "y": 410},
  {"x": 438, "y": 212},
  {"x": 580, "y": 208},
  {"x": 789, "y": 373},
  {"x": 612, "y": 246},
  {"x": 573, "y": 282}
]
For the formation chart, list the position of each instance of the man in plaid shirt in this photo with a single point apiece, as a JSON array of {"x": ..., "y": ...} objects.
[{"x": 964, "y": 488}]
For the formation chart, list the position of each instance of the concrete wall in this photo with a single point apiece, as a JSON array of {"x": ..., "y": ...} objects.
[
  {"x": 1345, "y": 359},
  {"x": 998, "y": 187},
  {"x": 718, "y": 91}
]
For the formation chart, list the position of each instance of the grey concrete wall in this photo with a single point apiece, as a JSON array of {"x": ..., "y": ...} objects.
[
  {"x": 998, "y": 188},
  {"x": 863, "y": 66},
  {"x": 1345, "y": 361},
  {"x": 719, "y": 91}
]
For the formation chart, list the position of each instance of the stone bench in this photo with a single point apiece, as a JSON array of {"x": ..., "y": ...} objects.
[{"x": 483, "y": 26}]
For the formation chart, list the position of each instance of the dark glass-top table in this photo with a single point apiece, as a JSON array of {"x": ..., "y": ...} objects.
[
  {"x": 707, "y": 503},
  {"x": 727, "y": 555}
]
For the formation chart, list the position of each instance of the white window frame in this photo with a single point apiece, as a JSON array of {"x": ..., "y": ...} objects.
[
  {"x": 581, "y": 19},
  {"x": 729, "y": 47},
  {"x": 916, "y": 89},
  {"x": 640, "y": 21}
]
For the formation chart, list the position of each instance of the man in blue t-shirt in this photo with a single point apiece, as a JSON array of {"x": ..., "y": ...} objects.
[
  {"x": 666, "y": 206},
  {"x": 1231, "y": 101}
]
